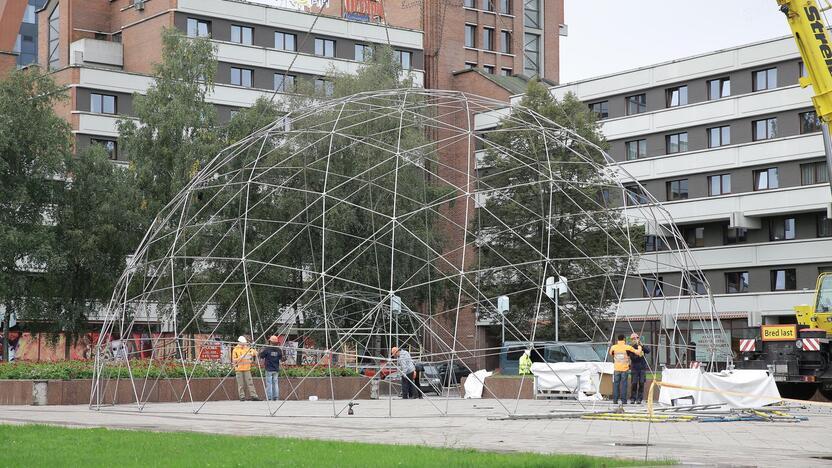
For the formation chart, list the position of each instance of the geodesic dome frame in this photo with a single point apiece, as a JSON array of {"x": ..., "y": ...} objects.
[{"x": 391, "y": 218}]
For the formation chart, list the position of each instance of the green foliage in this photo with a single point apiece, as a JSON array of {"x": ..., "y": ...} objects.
[
  {"x": 174, "y": 127},
  {"x": 587, "y": 242},
  {"x": 97, "y": 228},
  {"x": 70, "y": 370},
  {"x": 34, "y": 146},
  {"x": 33, "y": 445}
]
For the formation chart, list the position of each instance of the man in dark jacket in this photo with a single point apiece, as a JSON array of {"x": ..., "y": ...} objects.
[
  {"x": 638, "y": 369},
  {"x": 271, "y": 356}
]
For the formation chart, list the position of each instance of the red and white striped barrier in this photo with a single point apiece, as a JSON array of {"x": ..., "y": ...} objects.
[
  {"x": 811, "y": 344},
  {"x": 694, "y": 364},
  {"x": 748, "y": 346}
]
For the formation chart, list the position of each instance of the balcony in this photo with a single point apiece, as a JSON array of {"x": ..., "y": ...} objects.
[
  {"x": 750, "y": 205},
  {"x": 95, "y": 52},
  {"x": 726, "y": 158},
  {"x": 741, "y": 256},
  {"x": 755, "y": 306}
]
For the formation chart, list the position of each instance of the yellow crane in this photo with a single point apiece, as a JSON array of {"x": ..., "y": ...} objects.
[{"x": 806, "y": 20}]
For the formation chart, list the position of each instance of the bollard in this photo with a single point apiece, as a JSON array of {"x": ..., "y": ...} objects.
[
  {"x": 374, "y": 389},
  {"x": 39, "y": 396}
]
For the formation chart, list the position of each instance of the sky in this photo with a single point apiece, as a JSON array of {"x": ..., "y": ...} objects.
[{"x": 608, "y": 36}]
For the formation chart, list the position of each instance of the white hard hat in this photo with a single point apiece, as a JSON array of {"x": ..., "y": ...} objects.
[{"x": 242, "y": 339}]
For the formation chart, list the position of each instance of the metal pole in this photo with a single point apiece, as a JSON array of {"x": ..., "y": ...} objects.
[
  {"x": 6, "y": 317},
  {"x": 557, "y": 327},
  {"x": 503, "y": 336}
]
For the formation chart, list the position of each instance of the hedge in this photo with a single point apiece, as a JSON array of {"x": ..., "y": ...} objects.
[{"x": 69, "y": 370}]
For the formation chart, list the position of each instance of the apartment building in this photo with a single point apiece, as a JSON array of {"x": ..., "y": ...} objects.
[
  {"x": 730, "y": 145},
  {"x": 104, "y": 52}
]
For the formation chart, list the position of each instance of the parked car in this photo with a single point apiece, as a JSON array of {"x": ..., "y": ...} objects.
[{"x": 546, "y": 351}]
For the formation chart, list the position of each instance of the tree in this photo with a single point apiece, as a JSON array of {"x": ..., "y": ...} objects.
[
  {"x": 34, "y": 145},
  {"x": 96, "y": 230},
  {"x": 548, "y": 216},
  {"x": 174, "y": 129},
  {"x": 173, "y": 134}
]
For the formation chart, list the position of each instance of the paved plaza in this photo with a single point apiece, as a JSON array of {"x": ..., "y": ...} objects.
[{"x": 456, "y": 423}]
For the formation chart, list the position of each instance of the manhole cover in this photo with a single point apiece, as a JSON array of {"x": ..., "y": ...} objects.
[{"x": 630, "y": 444}]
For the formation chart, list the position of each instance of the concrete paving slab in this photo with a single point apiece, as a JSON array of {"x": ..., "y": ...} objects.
[{"x": 456, "y": 423}]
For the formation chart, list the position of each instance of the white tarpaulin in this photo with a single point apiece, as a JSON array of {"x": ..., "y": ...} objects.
[
  {"x": 750, "y": 382},
  {"x": 563, "y": 376},
  {"x": 473, "y": 383}
]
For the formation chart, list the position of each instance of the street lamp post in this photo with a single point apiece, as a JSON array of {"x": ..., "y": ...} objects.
[
  {"x": 502, "y": 308},
  {"x": 554, "y": 289}
]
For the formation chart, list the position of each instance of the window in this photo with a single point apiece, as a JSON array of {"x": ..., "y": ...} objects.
[
  {"x": 363, "y": 52},
  {"x": 636, "y": 104},
  {"x": 284, "y": 83},
  {"x": 488, "y": 38},
  {"x": 324, "y": 47},
  {"x": 488, "y": 69},
  {"x": 765, "y": 179},
  {"x": 809, "y": 122},
  {"x": 531, "y": 12},
  {"x": 487, "y": 5},
  {"x": 719, "y": 184},
  {"x": 601, "y": 109},
  {"x": 110, "y": 146},
  {"x": 242, "y": 34},
  {"x": 102, "y": 103},
  {"x": 505, "y": 42},
  {"x": 505, "y": 7},
  {"x": 676, "y": 143},
  {"x": 764, "y": 79},
  {"x": 285, "y": 41},
  {"x": 404, "y": 59},
  {"x": 814, "y": 173},
  {"x": 824, "y": 226},
  {"x": 695, "y": 236},
  {"x": 736, "y": 282},
  {"x": 735, "y": 235},
  {"x": 636, "y": 149},
  {"x": 781, "y": 229},
  {"x": 719, "y": 136},
  {"x": 677, "y": 96},
  {"x": 653, "y": 286},
  {"x": 470, "y": 35},
  {"x": 505, "y": 71},
  {"x": 325, "y": 87},
  {"x": 470, "y": 3},
  {"x": 531, "y": 54},
  {"x": 719, "y": 88},
  {"x": 199, "y": 28},
  {"x": 654, "y": 243},
  {"x": 634, "y": 195},
  {"x": 54, "y": 38},
  {"x": 694, "y": 285},
  {"x": 470, "y": 65},
  {"x": 784, "y": 280},
  {"x": 801, "y": 70},
  {"x": 677, "y": 189},
  {"x": 241, "y": 76},
  {"x": 764, "y": 129}
]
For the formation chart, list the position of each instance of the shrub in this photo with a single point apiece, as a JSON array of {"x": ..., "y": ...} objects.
[{"x": 69, "y": 370}]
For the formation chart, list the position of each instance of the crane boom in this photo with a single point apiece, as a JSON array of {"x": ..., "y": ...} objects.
[{"x": 806, "y": 22}]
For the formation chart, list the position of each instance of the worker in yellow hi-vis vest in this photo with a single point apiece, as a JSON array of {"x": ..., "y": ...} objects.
[
  {"x": 621, "y": 372},
  {"x": 243, "y": 357},
  {"x": 526, "y": 363}
]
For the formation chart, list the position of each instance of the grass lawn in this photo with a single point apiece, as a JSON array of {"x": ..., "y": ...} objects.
[{"x": 33, "y": 445}]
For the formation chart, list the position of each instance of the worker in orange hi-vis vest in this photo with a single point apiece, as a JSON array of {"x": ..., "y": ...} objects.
[
  {"x": 621, "y": 372},
  {"x": 243, "y": 357}
]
